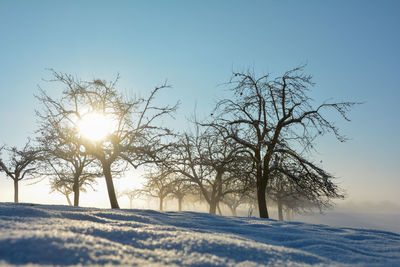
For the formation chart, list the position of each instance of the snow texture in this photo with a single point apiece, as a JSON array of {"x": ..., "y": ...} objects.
[{"x": 61, "y": 235}]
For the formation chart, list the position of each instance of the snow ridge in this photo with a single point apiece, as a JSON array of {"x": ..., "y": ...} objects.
[{"x": 63, "y": 235}]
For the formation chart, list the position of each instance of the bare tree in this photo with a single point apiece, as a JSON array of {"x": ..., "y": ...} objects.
[
  {"x": 134, "y": 138},
  {"x": 158, "y": 184},
  {"x": 180, "y": 188},
  {"x": 64, "y": 162},
  {"x": 70, "y": 178},
  {"x": 299, "y": 187},
  {"x": 132, "y": 194},
  {"x": 20, "y": 164},
  {"x": 210, "y": 162},
  {"x": 63, "y": 188},
  {"x": 234, "y": 200},
  {"x": 275, "y": 116}
]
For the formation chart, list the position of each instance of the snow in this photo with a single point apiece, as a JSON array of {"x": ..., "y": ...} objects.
[{"x": 32, "y": 234}]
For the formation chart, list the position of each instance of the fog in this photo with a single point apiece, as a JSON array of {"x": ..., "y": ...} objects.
[{"x": 380, "y": 215}]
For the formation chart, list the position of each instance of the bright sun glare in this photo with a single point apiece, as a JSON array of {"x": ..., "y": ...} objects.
[{"x": 95, "y": 127}]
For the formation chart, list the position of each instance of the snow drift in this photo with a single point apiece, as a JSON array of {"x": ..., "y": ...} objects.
[{"x": 62, "y": 235}]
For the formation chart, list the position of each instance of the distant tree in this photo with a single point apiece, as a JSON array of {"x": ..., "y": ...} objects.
[
  {"x": 132, "y": 194},
  {"x": 234, "y": 200},
  {"x": 21, "y": 164},
  {"x": 158, "y": 184},
  {"x": 298, "y": 188},
  {"x": 210, "y": 162},
  {"x": 69, "y": 178},
  {"x": 180, "y": 188},
  {"x": 133, "y": 136},
  {"x": 275, "y": 116},
  {"x": 242, "y": 193},
  {"x": 63, "y": 188}
]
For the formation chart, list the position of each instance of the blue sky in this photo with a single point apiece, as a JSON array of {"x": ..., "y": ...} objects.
[{"x": 351, "y": 48}]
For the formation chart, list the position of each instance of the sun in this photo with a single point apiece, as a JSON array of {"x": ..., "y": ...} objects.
[{"x": 95, "y": 127}]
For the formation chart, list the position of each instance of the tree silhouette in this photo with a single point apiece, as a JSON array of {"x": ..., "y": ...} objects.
[
  {"x": 67, "y": 178},
  {"x": 132, "y": 194},
  {"x": 63, "y": 188},
  {"x": 210, "y": 162},
  {"x": 180, "y": 188},
  {"x": 276, "y": 116},
  {"x": 21, "y": 164},
  {"x": 63, "y": 159},
  {"x": 158, "y": 184},
  {"x": 134, "y": 139}
]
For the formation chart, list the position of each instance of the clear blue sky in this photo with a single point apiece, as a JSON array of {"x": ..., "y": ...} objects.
[{"x": 351, "y": 47}]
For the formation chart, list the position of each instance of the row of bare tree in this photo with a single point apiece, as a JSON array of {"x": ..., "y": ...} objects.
[{"x": 256, "y": 144}]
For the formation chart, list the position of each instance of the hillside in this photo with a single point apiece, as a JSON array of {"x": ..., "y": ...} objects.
[{"x": 62, "y": 235}]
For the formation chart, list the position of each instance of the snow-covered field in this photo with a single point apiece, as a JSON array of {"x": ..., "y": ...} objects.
[{"x": 62, "y": 235}]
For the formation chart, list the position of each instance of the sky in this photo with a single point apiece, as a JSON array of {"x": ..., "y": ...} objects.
[{"x": 350, "y": 47}]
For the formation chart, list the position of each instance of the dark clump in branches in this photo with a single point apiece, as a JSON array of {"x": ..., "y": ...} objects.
[{"x": 133, "y": 138}]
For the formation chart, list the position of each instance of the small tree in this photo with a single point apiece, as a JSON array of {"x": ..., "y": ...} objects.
[
  {"x": 210, "y": 162},
  {"x": 20, "y": 164},
  {"x": 275, "y": 116},
  {"x": 234, "y": 200},
  {"x": 132, "y": 194},
  {"x": 69, "y": 178},
  {"x": 158, "y": 184},
  {"x": 64, "y": 161},
  {"x": 63, "y": 188},
  {"x": 242, "y": 191},
  {"x": 299, "y": 187},
  {"x": 131, "y": 134},
  {"x": 180, "y": 188}
]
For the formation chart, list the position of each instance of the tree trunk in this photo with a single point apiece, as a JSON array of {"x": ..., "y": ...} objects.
[
  {"x": 76, "y": 190},
  {"x": 76, "y": 197},
  {"x": 69, "y": 200},
  {"x": 161, "y": 203},
  {"x": 110, "y": 185},
  {"x": 130, "y": 203},
  {"x": 289, "y": 215},
  {"x": 219, "y": 210},
  {"x": 233, "y": 210},
  {"x": 180, "y": 199},
  {"x": 16, "y": 191},
  {"x": 213, "y": 206},
  {"x": 280, "y": 213},
  {"x": 262, "y": 203}
]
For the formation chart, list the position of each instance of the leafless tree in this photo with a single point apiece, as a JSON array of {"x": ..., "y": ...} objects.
[
  {"x": 234, "y": 200},
  {"x": 271, "y": 116},
  {"x": 243, "y": 191},
  {"x": 158, "y": 184},
  {"x": 63, "y": 188},
  {"x": 300, "y": 188},
  {"x": 180, "y": 188},
  {"x": 132, "y": 194},
  {"x": 69, "y": 178},
  {"x": 210, "y": 162},
  {"x": 21, "y": 164},
  {"x": 135, "y": 138},
  {"x": 64, "y": 163}
]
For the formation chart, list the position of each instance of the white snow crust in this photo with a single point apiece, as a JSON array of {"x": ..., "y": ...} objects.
[{"x": 48, "y": 235}]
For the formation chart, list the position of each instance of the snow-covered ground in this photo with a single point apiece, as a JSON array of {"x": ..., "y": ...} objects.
[{"x": 62, "y": 235}]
